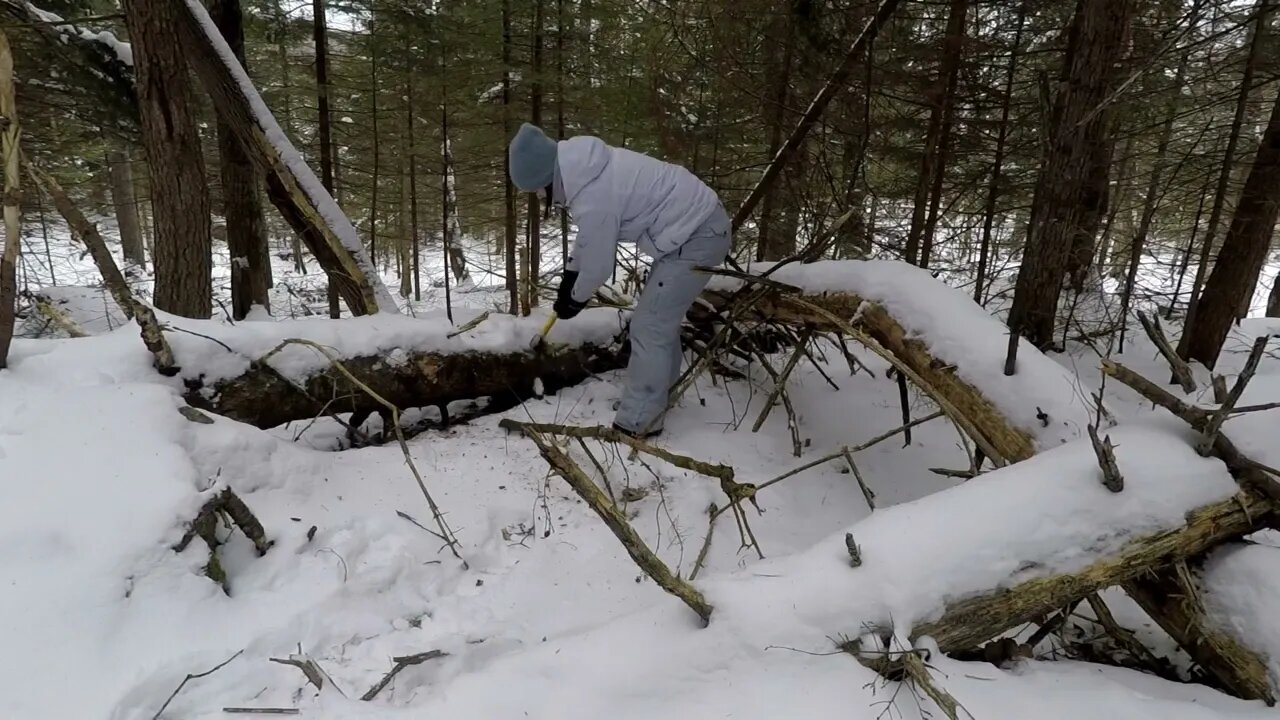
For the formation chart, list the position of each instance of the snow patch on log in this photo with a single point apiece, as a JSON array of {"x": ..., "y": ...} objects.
[
  {"x": 1044, "y": 516},
  {"x": 1043, "y": 398},
  {"x": 376, "y": 335}
]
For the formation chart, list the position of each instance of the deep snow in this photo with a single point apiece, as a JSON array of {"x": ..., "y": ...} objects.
[{"x": 101, "y": 619}]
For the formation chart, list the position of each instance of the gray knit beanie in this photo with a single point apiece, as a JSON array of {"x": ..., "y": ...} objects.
[{"x": 533, "y": 158}]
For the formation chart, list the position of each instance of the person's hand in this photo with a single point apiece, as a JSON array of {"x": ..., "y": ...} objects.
[{"x": 565, "y": 306}]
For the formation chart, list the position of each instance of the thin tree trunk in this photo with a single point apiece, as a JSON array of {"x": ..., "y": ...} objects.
[
  {"x": 414, "y": 250},
  {"x": 1273, "y": 301},
  {"x": 126, "y": 206},
  {"x": 1245, "y": 247},
  {"x": 242, "y": 207},
  {"x": 933, "y": 164},
  {"x": 1098, "y": 32},
  {"x": 1189, "y": 327},
  {"x": 1186, "y": 255},
  {"x": 377, "y": 155},
  {"x": 535, "y": 116},
  {"x": 560, "y": 103},
  {"x": 509, "y": 198},
  {"x": 402, "y": 223},
  {"x": 183, "y": 255},
  {"x": 780, "y": 46},
  {"x": 997, "y": 165},
  {"x": 320, "y": 32},
  {"x": 1150, "y": 202},
  {"x": 446, "y": 230},
  {"x": 9, "y": 134},
  {"x": 281, "y": 22},
  {"x": 1113, "y": 247}
]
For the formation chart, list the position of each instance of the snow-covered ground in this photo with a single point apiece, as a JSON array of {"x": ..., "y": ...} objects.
[{"x": 549, "y": 618}]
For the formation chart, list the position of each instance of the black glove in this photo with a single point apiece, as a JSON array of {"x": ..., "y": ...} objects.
[{"x": 565, "y": 306}]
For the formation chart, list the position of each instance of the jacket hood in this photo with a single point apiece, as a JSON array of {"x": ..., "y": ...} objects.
[{"x": 581, "y": 159}]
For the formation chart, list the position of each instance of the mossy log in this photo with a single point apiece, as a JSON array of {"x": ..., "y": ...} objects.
[
  {"x": 264, "y": 398},
  {"x": 967, "y": 623}
]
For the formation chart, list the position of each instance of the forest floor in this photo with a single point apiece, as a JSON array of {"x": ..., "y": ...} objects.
[{"x": 548, "y": 617}]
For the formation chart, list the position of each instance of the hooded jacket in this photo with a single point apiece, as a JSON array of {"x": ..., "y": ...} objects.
[{"x": 616, "y": 195}]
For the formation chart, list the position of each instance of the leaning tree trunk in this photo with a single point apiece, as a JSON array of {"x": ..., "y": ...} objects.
[
  {"x": 1189, "y": 331},
  {"x": 242, "y": 207},
  {"x": 1245, "y": 248},
  {"x": 126, "y": 207},
  {"x": 291, "y": 185},
  {"x": 183, "y": 255},
  {"x": 1097, "y": 41},
  {"x": 12, "y": 199}
]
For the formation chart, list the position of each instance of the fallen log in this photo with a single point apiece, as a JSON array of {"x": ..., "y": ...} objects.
[
  {"x": 966, "y": 624},
  {"x": 265, "y": 397}
]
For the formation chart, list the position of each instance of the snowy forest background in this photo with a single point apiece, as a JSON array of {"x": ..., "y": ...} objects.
[{"x": 979, "y": 422}]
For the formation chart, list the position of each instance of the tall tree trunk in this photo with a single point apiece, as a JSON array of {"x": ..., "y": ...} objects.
[
  {"x": 403, "y": 239},
  {"x": 1189, "y": 328},
  {"x": 415, "y": 253},
  {"x": 1114, "y": 245},
  {"x": 280, "y": 22},
  {"x": 997, "y": 164},
  {"x": 451, "y": 224},
  {"x": 1151, "y": 201},
  {"x": 241, "y": 204},
  {"x": 1094, "y": 202},
  {"x": 183, "y": 255},
  {"x": 933, "y": 164},
  {"x": 126, "y": 207},
  {"x": 1244, "y": 248},
  {"x": 1097, "y": 41},
  {"x": 780, "y": 48},
  {"x": 9, "y": 134},
  {"x": 534, "y": 219},
  {"x": 560, "y": 103},
  {"x": 377, "y": 154},
  {"x": 509, "y": 198},
  {"x": 1186, "y": 255},
  {"x": 320, "y": 33}
]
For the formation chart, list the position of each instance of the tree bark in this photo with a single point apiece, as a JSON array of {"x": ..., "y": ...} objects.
[
  {"x": 242, "y": 207},
  {"x": 1097, "y": 41},
  {"x": 772, "y": 243},
  {"x": 415, "y": 253},
  {"x": 126, "y": 207},
  {"x": 9, "y": 134},
  {"x": 320, "y": 36},
  {"x": 1243, "y": 250},
  {"x": 1189, "y": 328},
  {"x": 1273, "y": 302},
  {"x": 182, "y": 257}
]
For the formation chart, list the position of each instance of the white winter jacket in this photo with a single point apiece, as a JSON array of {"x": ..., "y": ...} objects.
[{"x": 616, "y": 195}]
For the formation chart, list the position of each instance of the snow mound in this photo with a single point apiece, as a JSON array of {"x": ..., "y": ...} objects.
[{"x": 1241, "y": 588}]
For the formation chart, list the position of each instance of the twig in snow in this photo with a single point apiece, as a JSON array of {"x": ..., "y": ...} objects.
[
  {"x": 903, "y": 400},
  {"x": 199, "y": 335},
  {"x": 720, "y": 472},
  {"x": 191, "y": 677},
  {"x": 1122, "y": 635},
  {"x": 604, "y": 474},
  {"x": 595, "y": 498},
  {"x": 445, "y": 531},
  {"x": 426, "y": 529},
  {"x": 1105, "y": 451},
  {"x": 780, "y": 381},
  {"x": 260, "y": 711},
  {"x": 948, "y": 472},
  {"x": 701, "y": 560},
  {"x": 311, "y": 669},
  {"x": 855, "y": 552},
  {"x": 469, "y": 325},
  {"x": 1220, "y": 416},
  {"x": 400, "y": 664},
  {"x": 862, "y": 484},
  {"x": 1181, "y": 370},
  {"x": 1255, "y": 408},
  {"x": 781, "y": 392}
]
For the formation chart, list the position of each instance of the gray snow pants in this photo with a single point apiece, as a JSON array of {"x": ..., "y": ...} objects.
[{"x": 672, "y": 287}]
